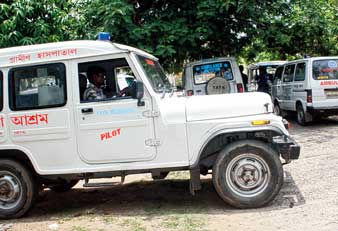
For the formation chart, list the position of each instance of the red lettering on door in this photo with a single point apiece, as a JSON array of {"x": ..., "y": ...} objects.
[{"x": 110, "y": 134}]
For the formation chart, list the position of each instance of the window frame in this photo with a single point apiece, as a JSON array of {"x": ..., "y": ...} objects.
[
  {"x": 2, "y": 91},
  {"x": 96, "y": 62},
  {"x": 294, "y": 77},
  {"x": 278, "y": 79},
  {"x": 11, "y": 88},
  {"x": 293, "y": 74},
  {"x": 209, "y": 63}
]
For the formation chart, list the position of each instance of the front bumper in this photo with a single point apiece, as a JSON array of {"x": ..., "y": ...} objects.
[{"x": 287, "y": 147}]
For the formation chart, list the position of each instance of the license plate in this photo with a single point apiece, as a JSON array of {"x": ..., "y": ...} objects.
[{"x": 331, "y": 93}]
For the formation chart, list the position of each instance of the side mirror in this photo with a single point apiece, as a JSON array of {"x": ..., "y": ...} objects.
[{"x": 138, "y": 92}]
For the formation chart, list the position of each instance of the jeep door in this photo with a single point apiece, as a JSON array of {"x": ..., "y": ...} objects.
[{"x": 112, "y": 128}]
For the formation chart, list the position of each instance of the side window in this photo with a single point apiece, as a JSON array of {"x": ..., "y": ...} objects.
[
  {"x": 288, "y": 73},
  {"x": 300, "y": 72},
  {"x": 35, "y": 87},
  {"x": 105, "y": 80},
  {"x": 1, "y": 91},
  {"x": 278, "y": 75}
]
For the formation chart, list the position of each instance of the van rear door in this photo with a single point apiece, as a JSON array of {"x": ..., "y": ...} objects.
[{"x": 324, "y": 83}]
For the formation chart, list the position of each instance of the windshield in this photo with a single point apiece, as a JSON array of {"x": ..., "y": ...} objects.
[
  {"x": 325, "y": 69},
  {"x": 204, "y": 72},
  {"x": 155, "y": 74}
]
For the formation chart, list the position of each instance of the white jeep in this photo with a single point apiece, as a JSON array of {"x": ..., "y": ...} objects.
[{"x": 52, "y": 137}]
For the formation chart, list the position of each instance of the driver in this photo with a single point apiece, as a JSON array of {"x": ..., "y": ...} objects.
[{"x": 96, "y": 77}]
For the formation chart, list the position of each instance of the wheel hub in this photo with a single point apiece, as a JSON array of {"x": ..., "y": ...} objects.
[
  {"x": 10, "y": 189},
  {"x": 247, "y": 175}
]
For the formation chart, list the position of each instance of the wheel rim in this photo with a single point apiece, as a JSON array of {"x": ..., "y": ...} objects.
[
  {"x": 248, "y": 175},
  {"x": 10, "y": 190}
]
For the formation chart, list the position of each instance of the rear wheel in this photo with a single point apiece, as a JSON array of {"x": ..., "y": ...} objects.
[
  {"x": 248, "y": 174},
  {"x": 300, "y": 115},
  {"x": 18, "y": 189}
]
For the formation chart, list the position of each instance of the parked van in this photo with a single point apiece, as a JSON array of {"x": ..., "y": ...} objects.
[
  {"x": 52, "y": 134},
  {"x": 307, "y": 86},
  {"x": 254, "y": 74},
  {"x": 212, "y": 76}
]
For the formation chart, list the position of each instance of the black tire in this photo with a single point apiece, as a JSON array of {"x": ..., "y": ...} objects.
[
  {"x": 247, "y": 154},
  {"x": 277, "y": 109},
  {"x": 300, "y": 115},
  {"x": 63, "y": 186},
  {"x": 18, "y": 189}
]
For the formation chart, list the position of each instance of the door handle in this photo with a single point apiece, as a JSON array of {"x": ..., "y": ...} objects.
[{"x": 87, "y": 110}]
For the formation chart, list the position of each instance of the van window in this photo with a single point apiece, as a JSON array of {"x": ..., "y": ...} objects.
[
  {"x": 288, "y": 73},
  {"x": 105, "y": 80},
  {"x": 300, "y": 72},
  {"x": 203, "y": 73},
  {"x": 325, "y": 69},
  {"x": 37, "y": 87},
  {"x": 1, "y": 91},
  {"x": 278, "y": 75}
]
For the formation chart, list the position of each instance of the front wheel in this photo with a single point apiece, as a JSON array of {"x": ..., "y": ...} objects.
[
  {"x": 248, "y": 174},
  {"x": 18, "y": 190}
]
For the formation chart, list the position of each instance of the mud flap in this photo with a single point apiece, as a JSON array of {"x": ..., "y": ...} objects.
[{"x": 195, "y": 180}]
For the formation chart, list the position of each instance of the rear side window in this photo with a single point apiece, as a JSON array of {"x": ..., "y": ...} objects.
[
  {"x": 35, "y": 87},
  {"x": 204, "y": 72},
  {"x": 288, "y": 73},
  {"x": 325, "y": 69},
  {"x": 300, "y": 72},
  {"x": 1, "y": 91}
]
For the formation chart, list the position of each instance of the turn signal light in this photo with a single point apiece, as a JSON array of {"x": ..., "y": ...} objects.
[
  {"x": 260, "y": 122},
  {"x": 309, "y": 96}
]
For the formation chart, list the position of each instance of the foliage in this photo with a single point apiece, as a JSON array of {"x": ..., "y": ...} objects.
[{"x": 182, "y": 30}]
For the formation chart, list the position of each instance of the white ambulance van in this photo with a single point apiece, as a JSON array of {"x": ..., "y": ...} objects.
[
  {"x": 52, "y": 136},
  {"x": 307, "y": 86}
]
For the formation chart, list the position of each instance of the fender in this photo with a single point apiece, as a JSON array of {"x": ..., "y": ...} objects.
[
  {"x": 196, "y": 158},
  {"x": 25, "y": 152}
]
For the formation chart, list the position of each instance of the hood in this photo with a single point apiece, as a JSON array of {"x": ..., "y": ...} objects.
[{"x": 227, "y": 106}]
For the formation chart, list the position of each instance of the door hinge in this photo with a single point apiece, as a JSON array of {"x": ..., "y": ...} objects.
[
  {"x": 153, "y": 142},
  {"x": 151, "y": 114}
]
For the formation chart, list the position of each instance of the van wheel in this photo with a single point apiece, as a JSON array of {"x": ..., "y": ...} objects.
[
  {"x": 64, "y": 186},
  {"x": 300, "y": 115},
  {"x": 247, "y": 174},
  {"x": 278, "y": 111},
  {"x": 18, "y": 189}
]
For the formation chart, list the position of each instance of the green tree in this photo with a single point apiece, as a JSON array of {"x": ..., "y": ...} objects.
[{"x": 25, "y": 22}]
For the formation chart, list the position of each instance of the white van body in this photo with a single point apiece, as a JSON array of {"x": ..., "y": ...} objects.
[
  {"x": 53, "y": 137},
  {"x": 307, "y": 86},
  {"x": 195, "y": 81}
]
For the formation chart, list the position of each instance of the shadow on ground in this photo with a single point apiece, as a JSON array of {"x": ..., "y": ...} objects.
[{"x": 149, "y": 199}]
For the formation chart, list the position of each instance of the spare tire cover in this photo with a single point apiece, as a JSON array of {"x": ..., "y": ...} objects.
[{"x": 217, "y": 85}]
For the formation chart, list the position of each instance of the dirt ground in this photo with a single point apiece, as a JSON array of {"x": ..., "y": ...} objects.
[{"x": 307, "y": 201}]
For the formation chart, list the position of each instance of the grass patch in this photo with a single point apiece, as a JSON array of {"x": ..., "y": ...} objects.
[{"x": 184, "y": 222}]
